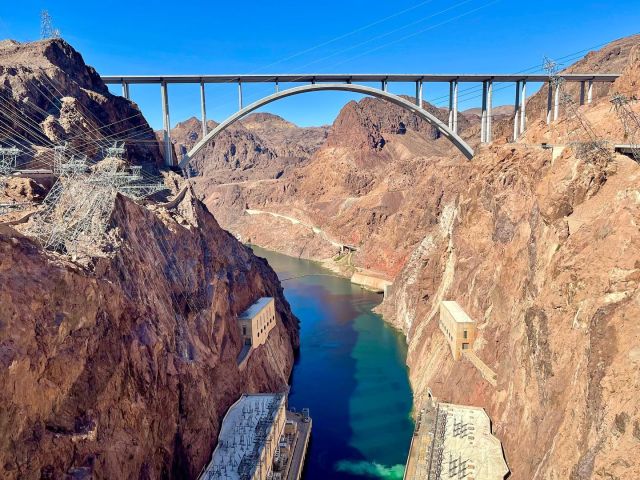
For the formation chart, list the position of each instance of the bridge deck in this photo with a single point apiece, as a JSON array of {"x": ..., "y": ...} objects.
[{"x": 356, "y": 77}]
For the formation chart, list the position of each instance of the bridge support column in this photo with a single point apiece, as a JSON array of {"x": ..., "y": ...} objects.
[
  {"x": 483, "y": 115},
  {"x": 419, "y": 93},
  {"x": 590, "y": 92},
  {"x": 239, "y": 95},
  {"x": 581, "y": 93},
  {"x": 523, "y": 108},
  {"x": 549, "y": 102},
  {"x": 203, "y": 110},
  {"x": 556, "y": 103},
  {"x": 125, "y": 90},
  {"x": 166, "y": 125},
  {"x": 277, "y": 86},
  {"x": 450, "y": 123},
  {"x": 488, "y": 133},
  {"x": 384, "y": 86},
  {"x": 516, "y": 113},
  {"x": 455, "y": 106}
]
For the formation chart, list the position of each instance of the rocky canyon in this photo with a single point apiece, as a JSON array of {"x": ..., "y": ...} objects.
[
  {"x": 121, "y": 362},
  {"x": 122, "y": 365},
  {"x": 538, "y": 244}
]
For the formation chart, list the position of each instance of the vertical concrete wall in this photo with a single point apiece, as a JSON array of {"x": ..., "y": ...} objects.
[
  {"x": 458, "y": 328},
  {"x": 255, "y": 327}
]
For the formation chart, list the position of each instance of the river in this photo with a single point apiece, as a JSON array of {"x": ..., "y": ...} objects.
[{"x": 350, "y": 373}]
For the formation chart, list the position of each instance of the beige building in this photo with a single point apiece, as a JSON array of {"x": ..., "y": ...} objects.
[
  {"x": 454, "y": 441},
  {"x": 248, "y": 440},
  {"x": 457, "y": 327},
  {"x": 257, "y": 321}
]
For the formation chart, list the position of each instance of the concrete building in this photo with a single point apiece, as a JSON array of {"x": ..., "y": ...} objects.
[
  {"x": 260, "y": 440},
  {"x": 248, "y": 439},
  {"x": 458, "y": 328},
  {"x": 257, "y": 321},
  {"x": 454, "y": 441}
]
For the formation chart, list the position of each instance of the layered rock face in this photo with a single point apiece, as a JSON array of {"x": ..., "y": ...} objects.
[
  {"x": 543, "y": 254},
  {"x": 125, "y": 369},
  {"x": 262, "y": 146},
  {"x": 50, "y": 96},
  {"x": 362, "y": 188},
  {"x": 123, "y": 364}
]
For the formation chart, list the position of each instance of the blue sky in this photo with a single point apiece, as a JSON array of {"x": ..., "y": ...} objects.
[{"x": 401, "y": 36}]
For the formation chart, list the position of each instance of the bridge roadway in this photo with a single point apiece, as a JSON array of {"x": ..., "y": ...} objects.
[{"x": 344, "y": 80}]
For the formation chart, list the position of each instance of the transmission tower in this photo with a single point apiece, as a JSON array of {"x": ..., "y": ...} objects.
[
  {"x": 76, "y": 211},
  {"x": 630, "y": 122},
  {"x": 594, "y": 148},
  {"x": 8, "y": 162},
  {"x": 47, "y": 29}
]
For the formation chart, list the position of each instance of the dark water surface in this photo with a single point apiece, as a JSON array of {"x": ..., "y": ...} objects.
[{"x": 350, "y": 373}]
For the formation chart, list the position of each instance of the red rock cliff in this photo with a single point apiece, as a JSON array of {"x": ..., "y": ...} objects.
[{"x": 125, "y": 370}]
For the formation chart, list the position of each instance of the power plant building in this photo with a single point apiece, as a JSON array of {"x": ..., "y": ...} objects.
[
  {"x": 257, "y": 321},
  {"x": 458, "y": 328},
  {"x": 260, "y": 440},
  {"x": 248, "y": 440}
]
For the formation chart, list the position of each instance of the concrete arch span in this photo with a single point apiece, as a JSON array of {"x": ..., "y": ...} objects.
[{"x": 466, "y": 150}]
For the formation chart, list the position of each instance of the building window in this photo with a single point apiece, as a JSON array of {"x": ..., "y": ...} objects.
[
  {"x": 244, "y": 330},
  {"x": 465, "y": 346},
  {"x": 464, "y": 334}
]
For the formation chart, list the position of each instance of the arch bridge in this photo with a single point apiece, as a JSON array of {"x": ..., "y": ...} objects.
[{"x": 354, "y": 83}]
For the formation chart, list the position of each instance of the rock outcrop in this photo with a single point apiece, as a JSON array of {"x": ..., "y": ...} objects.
[
  {"x": 362, "y": 187},
  {"x": 121, "y": 365},
  {"x": 262, "y": 146},
  {"x": 50, "y": 96}
]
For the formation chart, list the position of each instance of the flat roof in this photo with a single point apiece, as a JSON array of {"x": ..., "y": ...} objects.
[
  {"x": 254, "y": 309},
  {"x": 456, "y": 311},
  {"x": 468, "y": 440},
  {"x": 242, "y": 436},
  {"x": 354, "y": 77}
]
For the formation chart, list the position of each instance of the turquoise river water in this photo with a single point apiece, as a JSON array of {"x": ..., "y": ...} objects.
[{"x": 350, "y": 373}]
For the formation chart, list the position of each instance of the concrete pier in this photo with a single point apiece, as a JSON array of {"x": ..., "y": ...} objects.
[
  {"x": 203, "y": 110},
  {"x": 166, "y": 125},
  {"x": 455, "y": 106},
  {"x": 489, "y": 127},
  {"x": 549, "y": 101},
  {"x": 556, "y": 103},
  {"x": 483, "y": 116},
  {"x": 125, "y": 90},
  {"x": 516, "y": 113},
  {"x": 523, "y": 114}
]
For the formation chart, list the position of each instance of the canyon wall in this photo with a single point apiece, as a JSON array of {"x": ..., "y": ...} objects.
[
  {"x": 124, "y": 369},
  {"x": 121, "y": 365},
  {"x": 362, "y": 187},
  {"x": 541, "y": 252}
]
